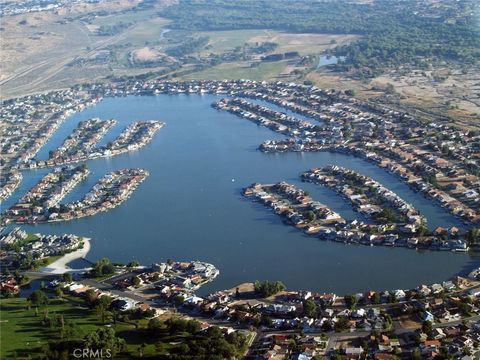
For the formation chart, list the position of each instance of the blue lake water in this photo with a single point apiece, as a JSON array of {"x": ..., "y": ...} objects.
[
  {"x": 191, "y": 205},
  {"x": 325, "y": 60}
]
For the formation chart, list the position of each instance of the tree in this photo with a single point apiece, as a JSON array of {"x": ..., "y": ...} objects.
[
  {"x": 327, "y": 325},
  {"x": 102, "y": 267},
  {"x": 59, "y": 292},
  {"x": 159, "y": 347},
  {"x": 350, "y": 301},
  {"x": 103, "y": 303},
  {"x": 341, "y": 324},
  {"x": 268, "y": 288},
  {"x": 310, "y": 308},
  {"x": 423, "y": 230},
  {"x": 427, "y": 327},
  {"x": 133, "y": 263},
  {"x": 90, "y": 297},
  {"x": 104, "y": 338},
  {"x": 136, "y": 281},
  {"x": 266, "y": 321},
  {"x": 388, "y": 215},
  {"x": 157, "y": 327},
  {"x": 473, "y": 236},
  {"x": 390, "y": 89},
  {"x": 311, "y": 215},
  {"x": 38, "y": 297},
  {"x": 24, "y": 279},
  {"x": 416, "y": 354},
  {"x": 347, "y": 132},
  {"x": 67, "y": 277},
  {"x": 181, "y": 325},
  {"x": 392, "y": 298},
  {"x": 182, "y": 349}
]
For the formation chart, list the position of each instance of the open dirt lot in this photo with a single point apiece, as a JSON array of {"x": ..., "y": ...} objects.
[{"x": 37, "y": 49}]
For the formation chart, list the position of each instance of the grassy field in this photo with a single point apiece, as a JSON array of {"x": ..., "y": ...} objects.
[
  {"x": 147, "y": 30},
  {"x": 240, "y": 70},
  {"x": 221, "y": 41},
  {"x": 23, "y": 333},
  {"x": 303, "y": 43},
  {"x": 125, "y": 18}
]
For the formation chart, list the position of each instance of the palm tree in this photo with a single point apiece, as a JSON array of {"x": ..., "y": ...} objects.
[
  {"x": 102, "y": 313},
  {"x": 473, "y": 236}
]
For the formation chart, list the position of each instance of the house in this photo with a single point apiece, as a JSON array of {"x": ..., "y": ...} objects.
[
  {"x": 439, "y": 231},
  {"x": 461, "y": 282},
  {"x": 474, "y": 292},
  {"x": 143, "y": 307},
  {"x": 448, "y": 286},
  {"x": 355, "y": 351},
  {"x": 182, "y": 281},
  {"x": 9, "y": 287},
  {"x": 436, "y": 288},
  {"x": 474, "y": 274},
  {"x": 193, "y": 300},
  {"x": 428, "y": 316},
  {"x": 429, "y": 346},
  {"x": 399, "y": 295},
  {"x": 358, "y": 313},
  {"x": 438, "y": 334},
  {"x": 280, "y": 309},
  {"x": 300, "y": 357}
]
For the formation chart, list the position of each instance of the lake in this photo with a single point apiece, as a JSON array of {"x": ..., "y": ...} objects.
[
  {"x": 324, "y": 60},
  {"x": 191, "y": 207}
]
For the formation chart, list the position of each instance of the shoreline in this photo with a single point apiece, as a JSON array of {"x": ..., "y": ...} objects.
[{"x": 60, "y": 266}]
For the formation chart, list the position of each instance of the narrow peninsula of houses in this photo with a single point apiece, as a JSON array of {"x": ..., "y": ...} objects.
[
  {"x": 42, "y": 202},
  {"x": 396, "y": 223},
  {"x": 80, "y": 145}
]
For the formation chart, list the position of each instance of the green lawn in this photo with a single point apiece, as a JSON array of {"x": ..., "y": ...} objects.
[
  {"x": 22, "y": 331},
  {"x": 52, "y": 259},
  {"x": 31, "y": 237},
  {"x": 23, "y": 334}
]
